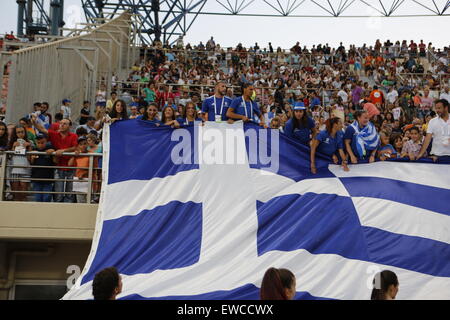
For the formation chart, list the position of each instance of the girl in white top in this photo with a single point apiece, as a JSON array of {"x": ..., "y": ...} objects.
[{"x": 20, "y": 144}]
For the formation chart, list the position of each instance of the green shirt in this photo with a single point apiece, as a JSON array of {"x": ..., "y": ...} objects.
[{"x": 150, "y": 95}]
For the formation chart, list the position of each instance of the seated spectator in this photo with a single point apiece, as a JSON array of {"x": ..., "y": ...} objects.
[
  {"x": 278, "y": 284},
  {"x": 168, "y": 118},
  {"x": 386, "y": 150},
  {"x": 412, "y": 147},
  {"x": 329, "y": 142},
  {"x": 385, "y": 286},
  {"x": 107, "y": 284},
  {"x": 300, "y": 127},
  {"x": 361, "y": 138},
  {"x": 42, "y": 145}
]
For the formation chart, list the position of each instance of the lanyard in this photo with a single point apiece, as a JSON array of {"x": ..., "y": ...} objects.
[
  {"x": 215, "y": 105},
  {"x": 245, "y": 108}
]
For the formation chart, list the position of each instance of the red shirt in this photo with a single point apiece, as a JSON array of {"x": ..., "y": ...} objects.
[
  {"x": 162, "y": 97},
  {"x": 54, "y": 126},
  {"x": 60, "y": 142}
]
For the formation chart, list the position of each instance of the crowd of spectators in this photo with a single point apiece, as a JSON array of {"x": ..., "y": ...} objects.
[{"x": 349, "y": 104}]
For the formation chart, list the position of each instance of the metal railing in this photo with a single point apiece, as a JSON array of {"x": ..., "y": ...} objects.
[{"x": 6, "y": 177}]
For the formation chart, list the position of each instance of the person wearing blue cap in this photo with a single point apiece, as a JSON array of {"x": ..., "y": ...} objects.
[
  {"x": 244, "y": 108},
  {"x": 300, "y": 127}
]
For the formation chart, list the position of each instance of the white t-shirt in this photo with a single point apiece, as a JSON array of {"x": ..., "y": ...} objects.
[
  {"x": 396, "y": 112},
  {"x": 67, "y": 112},
  {"x": 441, "y": 136},
  {"x": 343, "y": 95},
  {"x": 445, "y": 96},
  {"x": 392, "y": 96}
]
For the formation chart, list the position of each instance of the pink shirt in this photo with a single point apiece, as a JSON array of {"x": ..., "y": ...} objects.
[{"x": 426, "y": 103}]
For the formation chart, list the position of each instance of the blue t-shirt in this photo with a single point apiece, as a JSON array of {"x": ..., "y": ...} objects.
[
  {"x": 388, "y": 147},
  {"x": 155, "y": 122},
  {"x": 185, "y": 122},
  {"x": 249, "y": 109},
  {"x": 350, "y": 135},
  {"x": 329, "y": 145},
  {"x": 315, "y": 102},
  {"x": 303, "y": 133},
  {"x": 209, "y": 105}
]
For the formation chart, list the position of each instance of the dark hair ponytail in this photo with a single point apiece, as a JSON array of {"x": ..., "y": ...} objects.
[
  {"x": 331, "y": 122},
  {"x": 381, "y": 283},
  {"x": 274, "y": 283}
]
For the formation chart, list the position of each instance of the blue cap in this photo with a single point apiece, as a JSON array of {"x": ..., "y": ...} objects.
[
  {"x": 66, "y": 100},
  {"x": 299, "y": 106}
]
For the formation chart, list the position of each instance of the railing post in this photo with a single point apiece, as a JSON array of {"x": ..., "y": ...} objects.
[
  {"x": 3, "y": 160},
  {"x": 90, "y": 175}
]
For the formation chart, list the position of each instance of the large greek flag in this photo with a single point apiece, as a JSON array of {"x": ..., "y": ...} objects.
[{"x": 202, "y": 212}]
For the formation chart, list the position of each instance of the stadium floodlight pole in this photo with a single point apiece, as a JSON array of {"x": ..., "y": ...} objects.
[
  {"x": 157, "y": 26},
  {"x": 20, "y": 14}
]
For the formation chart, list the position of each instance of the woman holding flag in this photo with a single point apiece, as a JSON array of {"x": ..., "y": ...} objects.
[
  {"x": 244, "y": 108},
  {"x": 361, "y": 138}
]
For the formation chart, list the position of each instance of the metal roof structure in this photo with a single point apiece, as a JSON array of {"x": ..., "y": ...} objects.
[{"x": 165, "y": 20}]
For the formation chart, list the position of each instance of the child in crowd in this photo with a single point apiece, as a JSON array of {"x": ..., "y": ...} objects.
[
  {"x": 20, "y": 144},
  {"x": 81, "y": 174},
  {"x": 386, "y": 150},
  {"x": 275, "y": 123},
  {"x": 396, "y": 140},
  {"x": 412, "y": 147},
  {"x": 42, "y": 145}
]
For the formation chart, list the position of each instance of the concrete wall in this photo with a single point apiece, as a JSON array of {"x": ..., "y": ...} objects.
[{"x": 39, "y": 241}]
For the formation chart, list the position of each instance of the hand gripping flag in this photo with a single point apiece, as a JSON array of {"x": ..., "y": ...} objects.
[{"x": 203, "y": 211}]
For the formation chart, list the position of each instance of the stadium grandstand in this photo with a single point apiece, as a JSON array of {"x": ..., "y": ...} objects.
[{"x": 59, "y": 93}]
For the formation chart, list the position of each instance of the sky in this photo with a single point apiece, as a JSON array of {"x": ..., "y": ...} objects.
[{"x": 285, "y": 32}]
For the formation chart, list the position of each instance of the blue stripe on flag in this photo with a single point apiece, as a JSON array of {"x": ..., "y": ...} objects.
[
  {"x": 408, "y": 252},
  {"x": 292, "y": 156},
  {"x": 416, "y": 195},
  {"x": 140, "y": 151},
  {"x": 318, "y": 223},
  {"x": 165, "y": 237},
  {"x": 246, "y": 292}
]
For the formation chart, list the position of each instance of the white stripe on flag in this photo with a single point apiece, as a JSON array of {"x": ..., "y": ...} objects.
[
  {"x": 402, "y": 219},
  {"x": 427, "y": 174}
]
